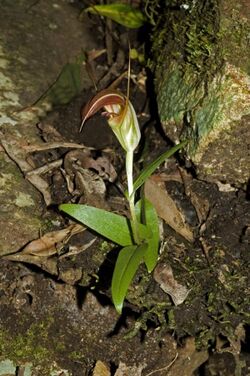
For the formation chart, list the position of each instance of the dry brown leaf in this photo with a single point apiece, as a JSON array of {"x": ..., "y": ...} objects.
[
  {"x": 124, "y": 370},
  {"x": 201, "y": 206},
  {"x": 42, "y": 186},
  {"x": 235, "y": 341},
  {"x": 47, "y": 245},
  {"x": 163, "y": 275},
  {"x": 163, "y": 369},
  {"x": 105, "y": 169},
  {"x": 94, "y": 53},
  {"x": 34, "y": 178},
  {"x": 45, "y": 168},
  {"x": 101, "y": 369},
  {"x": 39, "y": 252},
  {"x": 189, "y": 359},
  {"x": 167, "y": 209},
  {"x": 54, "y": 145},
  {"x": 73, "y": 250},
  {"x": 18, "y": 149},
  {"x": 90, "y": 184},
  {"x": 47, "y": 264},
  {"x": 85, "y": 177},
  {"x": 83, "y": 159}
]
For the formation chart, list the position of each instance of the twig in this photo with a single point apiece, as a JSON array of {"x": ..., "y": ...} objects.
[
  {"x": 54, "y": 145},
  {"x": 164, "y": 368},
  {"x": 109, "y": 41},
  {"x": 45, "y": 168}
]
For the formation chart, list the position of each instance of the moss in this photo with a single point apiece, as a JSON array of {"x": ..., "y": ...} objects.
[
  {"x": 217, "y": 303},
  {"x": 186, "y": 56},
  {"x": 105, "y": 246},
  {"x": 75, "y": 355},
  {"x": 34, "y": 346},
  {"x": 234, "y": 33},
  {"x": 189, "y": 36},
  {"x": 200, "y": 57}
]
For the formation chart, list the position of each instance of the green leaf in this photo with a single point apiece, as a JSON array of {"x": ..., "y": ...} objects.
[
  {"x": 110, "y": 225},
  {"x": 67, "y": 85},
  {"x": 123, "y": 14},
  {"x": 145, "y": 209},
  {"x": 126, "y": 266},
  {"x": 148, "y": 171}
]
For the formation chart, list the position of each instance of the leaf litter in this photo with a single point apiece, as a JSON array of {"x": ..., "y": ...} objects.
[
  {"x": 163, "y": 274},
  {"x": 188, "y": 353},
  {"x": 167, "y": 209}
]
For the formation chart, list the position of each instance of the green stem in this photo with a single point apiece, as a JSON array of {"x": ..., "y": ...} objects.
[{"x": 131, "y": 195}]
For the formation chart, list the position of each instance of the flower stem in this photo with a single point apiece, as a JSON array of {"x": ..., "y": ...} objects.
[{"x": 131, "y": 195}]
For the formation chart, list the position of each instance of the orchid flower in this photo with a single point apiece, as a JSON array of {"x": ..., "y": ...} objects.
[
  {"x": 122, "y": 119},
  {"x": 120, "y": 114}
]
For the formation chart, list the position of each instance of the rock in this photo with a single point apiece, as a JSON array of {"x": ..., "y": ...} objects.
[
  {"x": 201, "y": 63},
  {"x": 33, "y": 52}
]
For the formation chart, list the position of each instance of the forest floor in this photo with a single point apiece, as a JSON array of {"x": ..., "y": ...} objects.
[{"x": 191, "y": 316}]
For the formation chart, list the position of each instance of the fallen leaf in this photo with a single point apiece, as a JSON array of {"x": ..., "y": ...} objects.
[
  {"x": 225, "y": 187},
  {"x": 201, "y": 206},
  {"x": 163, "y": 275},
  {"x": 163, "y": 368},
  {"x": 101, "y": 369},
  {"x": 94, "y": 54},
  {"x": 42, "y": 186},
  {"x": 85, "y": 177},
  {"x": 47, "y": 245},
  {"x": 54, "y": 145},
  {"x": 167, "y": 209},
  {"x": 235, "y": 341},
  {"x": 124, "y": 370},
  {"x": 76, "y": 250},
  {"x": 105, "y": 169},
  {"x": 47, "y": 264},
  {"x": 189, "y": 359}
]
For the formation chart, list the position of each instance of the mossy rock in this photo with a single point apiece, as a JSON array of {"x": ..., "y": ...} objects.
[
  {"x": 27, "y": 70},
  {"x": 200, "y": 56}
]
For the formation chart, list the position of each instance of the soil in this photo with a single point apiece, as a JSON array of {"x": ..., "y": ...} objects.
[{"x": 57, "y": 316}]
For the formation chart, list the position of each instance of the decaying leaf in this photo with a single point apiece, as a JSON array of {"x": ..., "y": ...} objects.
[
  {"x": 40, "y": 252},
  {"x": 54, "y": 145},
  {"x": 102, "y": 165},
  {"x": 101, "y": 369},
  {"x": 163, "y": 369},
  {"x": 235, "y": 341},
  {"x": 201, "y": 206},
  {"x": 42, "y": 186},
  {"x": 167, "y": 209},
  {"x": 85, "y": 176},
  {"x": 76, "y": 250},
  {"x": 19, "y": 149},
  {"x": 50, "y": 243},
  {"x": 91, "y": 187},
  {"x": 47, "y": 264},
  {"x": 163, "y": 274},
  {"x": 124, "y": 370},
  {"x": 189, "y": 359}
]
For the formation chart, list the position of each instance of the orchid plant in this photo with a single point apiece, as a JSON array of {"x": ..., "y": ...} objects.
[{"x": 138, "y": 235}]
